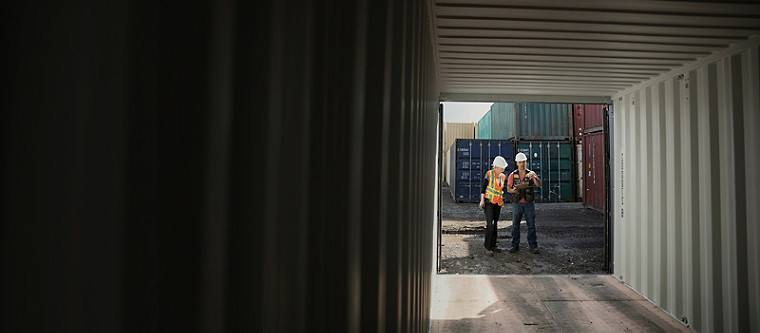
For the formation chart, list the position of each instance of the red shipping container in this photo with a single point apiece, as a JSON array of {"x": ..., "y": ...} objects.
[
  {"x": 587, "y": 118},
  {"x": 593, "y": 171},
  {"x": 593, "y": 117},
  {"x": 578, "y": 122}
]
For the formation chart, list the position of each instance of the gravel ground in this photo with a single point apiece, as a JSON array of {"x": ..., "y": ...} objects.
[{"x": 570, "y": 237}]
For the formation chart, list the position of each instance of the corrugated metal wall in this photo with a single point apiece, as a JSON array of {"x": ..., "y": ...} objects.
[
  {"x": 543, "y": 121},
  {"x": 593, "y": 118},
  {"x": 502, "y": 121},
  {"x": 258, "y": 166},
  {"x": 588, "y": 118},
  {"x": 451, "y": 132},
  {"x": 531, "y": 121},
  {"x": 484, "y": 126},
  {"x": 687, "y": 192}
]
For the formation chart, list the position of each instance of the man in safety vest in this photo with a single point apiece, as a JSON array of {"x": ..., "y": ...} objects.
[
  {"x": 520, "y": 183},
  {"x": 491, "y": 201}
]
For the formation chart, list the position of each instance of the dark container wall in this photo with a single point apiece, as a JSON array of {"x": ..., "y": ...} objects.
[
  {"x": 79, "y": 170},
  {"x": 593, "y": 171},
  {"x": 237, "y": 172}
]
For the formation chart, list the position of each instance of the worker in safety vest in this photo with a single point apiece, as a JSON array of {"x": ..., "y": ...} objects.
[
  {"x": 491, "y": 201},
  {"x": 520, "y": 184}
]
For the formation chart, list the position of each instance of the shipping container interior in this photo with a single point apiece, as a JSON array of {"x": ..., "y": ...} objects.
[
  {"x": 665, "y": 96},
  {"x": 269, "y": 165}
]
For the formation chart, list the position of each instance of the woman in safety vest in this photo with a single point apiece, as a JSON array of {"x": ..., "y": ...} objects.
[
  {"x": 491, "y": 201},
  {"x": 520, "y": 183}
]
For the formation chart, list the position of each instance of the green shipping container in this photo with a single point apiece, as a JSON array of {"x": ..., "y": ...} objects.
[
  {"x": 553, "y": 162},
  {"x": 484, "y": 126},
  {"x": 503, "y": 121},
  {"x": 531, "y": 121}
]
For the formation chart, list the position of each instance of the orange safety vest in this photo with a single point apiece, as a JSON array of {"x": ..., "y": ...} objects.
[{"x": 494, "y": 190}]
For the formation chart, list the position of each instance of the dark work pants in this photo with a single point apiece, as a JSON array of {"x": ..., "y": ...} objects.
[
  {"x": 529, "y": 210},
  {"x": 492, "y": 218}
]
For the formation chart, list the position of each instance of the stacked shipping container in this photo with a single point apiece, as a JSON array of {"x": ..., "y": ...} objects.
[
  {"x": 484, "y": 126},
  {"x": 593, "y": 173},
  {"x": 564, "y": 144},
  {"x": 543, "y": 131},
  {"x": 451, "y": 132},
  {"x": 541, "y": 121},
  {"x": 527, "y": 121},
  {"x": 589, "y": 135},
  {"x": 593, "y": 117},
  {"x": 469, "y": 161}
]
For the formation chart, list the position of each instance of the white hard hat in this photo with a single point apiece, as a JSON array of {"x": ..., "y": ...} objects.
[
  {"x": 499, "y": 162},
  {"x": 520, "y": 157}
]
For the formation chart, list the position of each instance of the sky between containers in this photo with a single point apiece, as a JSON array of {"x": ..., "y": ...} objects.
[{"x": 457, "y": 112}]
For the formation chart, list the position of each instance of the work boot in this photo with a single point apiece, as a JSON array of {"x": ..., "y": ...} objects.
[
  {"x": 513, "y": 249},
  {"x": 489, "y": 253},
  {"x": 534, "y": 250},
  {"x": 496, "y": 249}
]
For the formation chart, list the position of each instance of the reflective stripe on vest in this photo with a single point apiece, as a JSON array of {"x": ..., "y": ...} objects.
[{"x": 493, "y": 191}]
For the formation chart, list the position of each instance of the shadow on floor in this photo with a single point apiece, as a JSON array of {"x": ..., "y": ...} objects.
[{"x": 585, "y": 303}]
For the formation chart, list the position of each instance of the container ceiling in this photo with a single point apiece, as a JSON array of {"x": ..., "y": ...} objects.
[{"x": 492, "y": 48}]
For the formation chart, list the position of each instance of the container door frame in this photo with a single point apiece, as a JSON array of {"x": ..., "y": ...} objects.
[
  {"x": 608, "y": 116},
  {"x": 608, "y": 222},
  {"x": 439, "y": 186}
]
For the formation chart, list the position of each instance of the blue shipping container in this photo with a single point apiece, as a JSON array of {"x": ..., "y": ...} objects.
[{"x": 470, "y": 159}]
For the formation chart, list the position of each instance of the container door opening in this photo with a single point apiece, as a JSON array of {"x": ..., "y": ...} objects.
[{"x": 572, "y": 228}]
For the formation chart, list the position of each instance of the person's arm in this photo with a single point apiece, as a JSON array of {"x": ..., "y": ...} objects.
[
  {"x": 483, "y": 186},
  {"x": 536, "y": 181},
  {"x": 483, "y": 192}
]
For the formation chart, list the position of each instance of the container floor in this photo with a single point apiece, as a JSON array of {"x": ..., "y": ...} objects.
[{"x": 527, "y": 303}]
